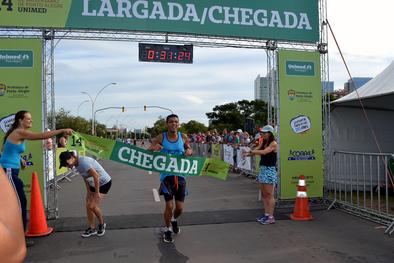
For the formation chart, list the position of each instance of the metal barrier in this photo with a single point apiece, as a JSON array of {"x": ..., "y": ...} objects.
[
  {"x": 358, "y": 183},
  {"x": 361, "y": 184},
  {"x": 205, "y": 149}
]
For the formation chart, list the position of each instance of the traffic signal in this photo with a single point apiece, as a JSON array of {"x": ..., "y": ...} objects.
[
  {"x": 144, "y": 107},
  {"x": 123, "y": 109}
]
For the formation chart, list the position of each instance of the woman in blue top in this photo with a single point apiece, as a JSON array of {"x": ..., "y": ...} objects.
[
  {"x": 172, "y": 187},
  {"x": 14, "y": 146}
]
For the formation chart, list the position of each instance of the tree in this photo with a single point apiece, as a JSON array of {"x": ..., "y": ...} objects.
[
  {"x": 232, "y": 116},
  {"x": 193, "y": 127},
  {"x": 158, "y": 127},
  {"x": 65, "y": 120}
]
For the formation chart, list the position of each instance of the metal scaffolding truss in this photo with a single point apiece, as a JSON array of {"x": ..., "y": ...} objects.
[{"x": 154, "y": 37}]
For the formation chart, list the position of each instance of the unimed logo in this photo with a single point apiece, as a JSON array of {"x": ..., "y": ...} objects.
[
  {"x": 16, "y": 58},
  {"x": 300, "y": 68}
]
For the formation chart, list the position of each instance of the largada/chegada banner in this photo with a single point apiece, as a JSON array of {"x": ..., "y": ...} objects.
[
  {"x": 269, "y": 19},
  {"x": 300, "y": 130},
  {"x": 148, "y": 160}
]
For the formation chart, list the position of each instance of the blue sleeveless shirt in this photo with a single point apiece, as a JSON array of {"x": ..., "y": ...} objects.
[
  {"x": 175, "y": 148},
  {"x": 10, "y": 158}
]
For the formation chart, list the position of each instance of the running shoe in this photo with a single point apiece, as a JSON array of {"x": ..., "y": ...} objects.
[
  {"x": 101, "y": 229},
  {"x": 89, "y": 232},
  {"x": 175, "y": 227},
  {"x": 268, "y": 221},
  {"x": 167, "y": 237},
  {"x": 262, "y": 218}
]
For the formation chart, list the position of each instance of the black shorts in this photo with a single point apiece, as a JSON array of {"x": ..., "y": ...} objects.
[
  {"x": 169, "y": 189},
  {"x": 103, "y": 189}
]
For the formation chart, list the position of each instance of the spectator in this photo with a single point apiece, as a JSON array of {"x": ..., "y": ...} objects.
[
  {"x": 62, "y": 142},
  {"x": 14, "y": 145},
  {"x": 268, "y": 176}
]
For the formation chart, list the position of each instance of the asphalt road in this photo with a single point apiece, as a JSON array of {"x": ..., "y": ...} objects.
[{"x": 218, "y": 225}]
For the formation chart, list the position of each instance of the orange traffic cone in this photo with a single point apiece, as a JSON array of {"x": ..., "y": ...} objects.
[
  {"x": 301, "y": 208},
  {"x": 37, "y": 224}
]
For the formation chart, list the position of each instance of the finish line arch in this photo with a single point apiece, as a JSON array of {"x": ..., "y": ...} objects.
[{"x": 270, "y": 26}]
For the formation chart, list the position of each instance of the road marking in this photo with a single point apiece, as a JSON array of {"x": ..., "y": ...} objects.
[{"x": 156, "y": 195}]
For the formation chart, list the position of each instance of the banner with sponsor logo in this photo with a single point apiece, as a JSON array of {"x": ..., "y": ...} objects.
[
  {"x": 268, "y": 19},
  {"x": 216, "y": 151},
  {"x": 244, "y": 162},
  {"x": 149, "y": 160},
  {"x": 228, "y": 154},
  {"x": 20, "y": 89},
  {"x": 301, "y": 150}
]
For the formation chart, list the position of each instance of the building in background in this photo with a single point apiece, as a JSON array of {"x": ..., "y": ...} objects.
[
  {"x": 338, "y": 94},
  {"x": 328, "y": 86},
  {"x": 357, "y": 82},
  {"x": 261, "y": 91}
]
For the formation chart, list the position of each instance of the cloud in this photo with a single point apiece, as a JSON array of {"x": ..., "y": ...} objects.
[
  {"x": 217, "y": 76},
  {"x": 193, "y": 99}
]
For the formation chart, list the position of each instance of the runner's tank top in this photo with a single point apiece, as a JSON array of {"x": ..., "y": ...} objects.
[{"x": 169, "y": 147}]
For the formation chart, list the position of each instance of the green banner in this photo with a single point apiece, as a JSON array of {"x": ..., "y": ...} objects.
[
  {"x": 20, "y": 89},
  {"x": 149, "y": 160},
  {"x": 300, "y": 131},
  {"x": 215, "y": 151},
  {"x": 269, "y": 19}
]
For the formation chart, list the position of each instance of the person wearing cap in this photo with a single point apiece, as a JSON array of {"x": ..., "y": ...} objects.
[
  {"x": 97, "y": 182},
  {"x": 238, "y": 137},
  {"x": 267, "y": 177}
]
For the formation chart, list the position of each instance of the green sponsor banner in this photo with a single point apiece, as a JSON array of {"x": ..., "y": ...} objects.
[
  {"x": 215, "y": 151},
  {"x": 20, "y": 89},
  {"x": 268, "y": 19},
  {"x": 16, "y": 58},
  {"x": 301, "y": 151},
  {"x": 149, "y": 160}
]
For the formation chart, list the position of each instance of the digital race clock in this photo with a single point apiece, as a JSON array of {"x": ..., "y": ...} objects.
[{"x": 166, "y": 53}]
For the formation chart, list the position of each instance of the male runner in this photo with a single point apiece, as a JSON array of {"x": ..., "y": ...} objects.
[{"x": 172, "y": 187}]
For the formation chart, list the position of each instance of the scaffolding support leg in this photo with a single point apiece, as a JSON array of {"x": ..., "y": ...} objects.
[
  {"x": 332, "y": 204},
  {"x": 388, "y": 231}
]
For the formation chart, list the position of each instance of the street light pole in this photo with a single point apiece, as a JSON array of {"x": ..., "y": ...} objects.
[
  {"x": 79, "y": 106},
  {"x": 93, "y": 101},
  {"x": 159, "y": 107}
]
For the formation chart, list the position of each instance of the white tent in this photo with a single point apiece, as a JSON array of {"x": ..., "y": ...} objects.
[
  {"x": 349, "y": 129},
  {"x": 353, "y": 152}
]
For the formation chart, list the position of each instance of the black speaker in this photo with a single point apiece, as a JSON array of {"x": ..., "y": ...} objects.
[{"x": 249, "y": 125}]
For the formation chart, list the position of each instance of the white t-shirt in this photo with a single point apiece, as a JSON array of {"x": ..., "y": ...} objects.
[{"x": 85, "y": 164}]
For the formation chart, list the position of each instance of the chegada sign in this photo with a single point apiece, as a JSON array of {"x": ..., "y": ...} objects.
[{"x": 287, "y": 20}]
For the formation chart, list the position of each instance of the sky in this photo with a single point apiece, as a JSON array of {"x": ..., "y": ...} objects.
[{"x": 217, "y": 75}]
